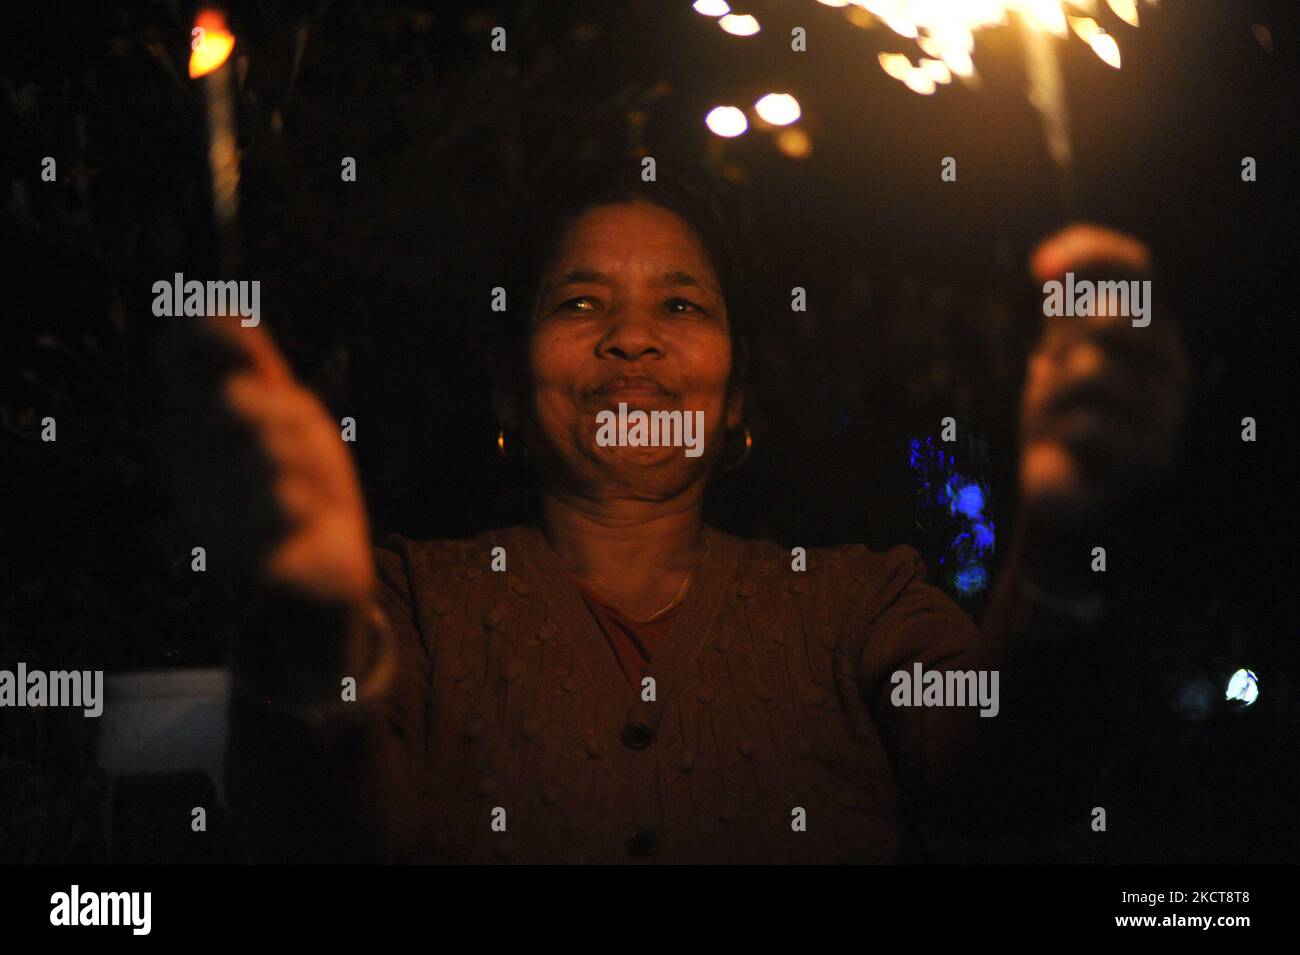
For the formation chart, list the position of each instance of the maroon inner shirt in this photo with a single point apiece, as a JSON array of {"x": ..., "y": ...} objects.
[{"x": 633, "y": 643}]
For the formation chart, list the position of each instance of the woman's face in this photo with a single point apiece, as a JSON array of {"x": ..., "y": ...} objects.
[{"x": 630, "y": 311}]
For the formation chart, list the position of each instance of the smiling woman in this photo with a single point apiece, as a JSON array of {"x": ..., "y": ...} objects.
[{"x": 617, "y": 680}]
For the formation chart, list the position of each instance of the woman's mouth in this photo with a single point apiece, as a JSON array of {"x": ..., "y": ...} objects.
[{"x": 627, "y": 386}]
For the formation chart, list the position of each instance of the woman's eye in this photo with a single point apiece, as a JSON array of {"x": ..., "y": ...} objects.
[
  {"x": 579, "y": 304},
  {"x": 681, "y": 306}
]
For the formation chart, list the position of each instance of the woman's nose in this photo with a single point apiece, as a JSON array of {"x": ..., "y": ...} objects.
[{"x": 631, "y": 335}]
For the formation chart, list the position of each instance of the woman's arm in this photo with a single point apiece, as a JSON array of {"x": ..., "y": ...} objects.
[
  {"x": 1101, "y": 415},
  {"x": 327, "y": 721},
  {"x": 328, "y": 728},
  {"x": 1025, "y": 766}
]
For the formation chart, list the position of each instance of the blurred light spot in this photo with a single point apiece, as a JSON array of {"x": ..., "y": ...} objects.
[
  {"x": 919, "y": 82},
  {"x": 937, "y": 70},
  {"x": 1085, "y": 28},
  {"x": 834, "y": 3},
  {"x": 1263, "y": 35},
  {"x": 895, "y": 64},
  {"x": 739, "y": 24},
  {"x": 971, "y": 580},
  {"x": 900, "y": 25},
  {"x": 1104, "y": 45},
  {"x": 726, "y": 121},
  {"x": 1126, "y": 10},
  {"x": 860, "y": 18},
  {"x": 711, "y": 8},
  {"x": 968, "y": 500},
  {"x": 1243, "y": 687},
  {"x": 1195, "y": 699},
  {"x": 779, "y": 109},
  {"x": 900, "y": 68},
  {"x": 794, "y": 142}
]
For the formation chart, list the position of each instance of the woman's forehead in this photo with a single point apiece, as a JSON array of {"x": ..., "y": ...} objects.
[{"x": 637, "y": 235}]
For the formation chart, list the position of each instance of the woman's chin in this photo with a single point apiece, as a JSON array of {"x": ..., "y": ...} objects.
[{"x": 638, "y": 457}]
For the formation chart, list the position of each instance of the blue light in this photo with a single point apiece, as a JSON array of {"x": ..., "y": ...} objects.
[
  {"x": 971, "y": 580},
  {"x": 968, "y": 500}
]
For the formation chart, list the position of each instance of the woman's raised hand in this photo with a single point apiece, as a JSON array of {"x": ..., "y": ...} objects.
[{"x": 262, "y": 471}]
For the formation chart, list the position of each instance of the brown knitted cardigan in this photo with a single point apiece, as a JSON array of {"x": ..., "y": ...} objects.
[{"x": 495, "y": 724}]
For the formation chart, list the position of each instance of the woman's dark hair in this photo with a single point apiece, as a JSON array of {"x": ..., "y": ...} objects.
[{"x": 708, "y": 204}]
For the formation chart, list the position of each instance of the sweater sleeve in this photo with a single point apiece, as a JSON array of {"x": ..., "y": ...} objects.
[
  {"x": 1030, "y": 763},
  {"x": 315, "y": 773}
]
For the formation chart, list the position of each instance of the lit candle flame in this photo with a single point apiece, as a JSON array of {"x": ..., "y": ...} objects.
[{"x": 212, "y": 43}]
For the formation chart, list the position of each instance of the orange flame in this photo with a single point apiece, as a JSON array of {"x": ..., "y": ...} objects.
[{"x": 212, "y": 43}]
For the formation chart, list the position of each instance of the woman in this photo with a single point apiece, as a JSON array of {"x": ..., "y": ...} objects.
[{"x": 621, "y": 682}]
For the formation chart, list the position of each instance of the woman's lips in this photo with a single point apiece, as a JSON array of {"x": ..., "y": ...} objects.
[{"x": 631, "y": 387}]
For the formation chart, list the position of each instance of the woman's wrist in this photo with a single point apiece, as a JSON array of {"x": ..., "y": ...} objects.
[{"x": 295, "y": 657}]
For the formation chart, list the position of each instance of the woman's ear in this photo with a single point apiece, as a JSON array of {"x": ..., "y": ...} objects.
[
  {"x": 735, "y": 408},
  {"x": 504, "y": 393},
  {"x": 503, "y": 407}
]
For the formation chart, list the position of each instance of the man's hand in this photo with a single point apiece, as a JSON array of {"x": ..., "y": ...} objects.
[{"x": 1103, "y": 404}]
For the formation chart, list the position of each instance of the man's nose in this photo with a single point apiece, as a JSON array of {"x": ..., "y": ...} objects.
[{"x": 631, "y": 335}]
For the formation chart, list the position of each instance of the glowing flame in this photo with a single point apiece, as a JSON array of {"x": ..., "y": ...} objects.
[
  {"x": 945, "y": 30},
  {"x": 212, "y": 43}
]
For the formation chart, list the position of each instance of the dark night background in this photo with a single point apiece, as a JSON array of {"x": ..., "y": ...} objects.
[{"x": 919, "y": 307}]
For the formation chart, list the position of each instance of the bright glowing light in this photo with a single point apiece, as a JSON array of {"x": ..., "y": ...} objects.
[
  {"x": 212, "y": 46},
  {"x": 1243, "y": 687},
  {"x": 1104, "y": 45},
  {"x": 915, "y": 78},
  {"x": 779, "y": 109},
  {"x": 918, "y": 81},
  {"x": 739, "y": 24},
  {"x": 945, "y": 30},
  {"x": 1126, "y": 10},
  {"x": 1085, "y": 27},
  {"x": 726, "y": 121},
  {"x": 895, "y": 64},
  {"x": 967, "y": 501},
  {"x": 711, "y": 8},
  {"x": 937, "y": 70},
  {"x": 834, "y": 3}
]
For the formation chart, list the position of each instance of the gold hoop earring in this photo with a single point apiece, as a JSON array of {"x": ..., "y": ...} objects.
[
  {"x": 744, "y": 455},
  {"x": 511, "y": 446}
]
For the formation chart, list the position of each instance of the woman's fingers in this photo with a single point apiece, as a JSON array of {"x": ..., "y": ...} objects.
[
  {"x": 246, "y": 349},
  {"x": 1084, "y": 245},
  {"x": 263, "y": 470}
]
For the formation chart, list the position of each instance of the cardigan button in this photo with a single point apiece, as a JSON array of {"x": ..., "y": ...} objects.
[
  {"x": 642, "y": 843},
  {"x": 637, "y": 735}
]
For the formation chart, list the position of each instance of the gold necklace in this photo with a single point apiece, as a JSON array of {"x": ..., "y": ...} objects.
[{"x": 685, "y": 586}]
